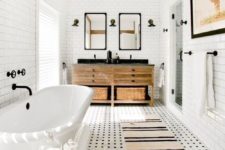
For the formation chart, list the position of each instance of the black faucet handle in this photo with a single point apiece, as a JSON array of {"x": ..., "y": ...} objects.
[
  {"x": 22, "y": 72},
  {"x": 11, "y": 74}
]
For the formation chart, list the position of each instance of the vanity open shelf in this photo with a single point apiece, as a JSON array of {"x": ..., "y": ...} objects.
[{"x": 117, "y": 83}]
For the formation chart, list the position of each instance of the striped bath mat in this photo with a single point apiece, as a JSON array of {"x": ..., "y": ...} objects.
[{"x": 149, "y": 134}]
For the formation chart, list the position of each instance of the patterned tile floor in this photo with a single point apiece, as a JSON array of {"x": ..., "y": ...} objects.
[{"x": 106, "y": 132}]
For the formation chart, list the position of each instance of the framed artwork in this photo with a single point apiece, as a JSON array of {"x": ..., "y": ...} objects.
[{"x": 207, "y": 17}]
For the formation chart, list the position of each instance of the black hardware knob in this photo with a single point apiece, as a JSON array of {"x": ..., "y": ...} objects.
[
  {"x": 11, "y": 74},
  {"x": 182, "y": 22},
  {"x": 133, "y": 81}
]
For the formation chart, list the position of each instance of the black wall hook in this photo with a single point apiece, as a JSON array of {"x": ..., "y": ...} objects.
[
  {"x": 182, "y": 22},
  {"x": 165, "y": 30},
  {"x": 11, "y": 74},
  {"x": 189, "y": 53},
  {"x": 214, "y": 53}
]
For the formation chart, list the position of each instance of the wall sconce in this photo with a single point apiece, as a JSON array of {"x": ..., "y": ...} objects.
[
  {"x": 113, "y": 23},
  {"x": 151, "y": 23},
  {"x": 76, "y": 23}
]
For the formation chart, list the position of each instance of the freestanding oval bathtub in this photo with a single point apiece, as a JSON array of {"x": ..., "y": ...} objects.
[{"x": 54, "y": 115}]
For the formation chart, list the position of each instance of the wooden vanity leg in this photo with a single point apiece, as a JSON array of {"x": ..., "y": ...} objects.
[
  {"x": 152, "y": 96},
  {"x": 112, "y": 96}
]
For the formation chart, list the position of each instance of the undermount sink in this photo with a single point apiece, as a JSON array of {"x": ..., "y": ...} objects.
[{"x": 121, "y": 61}]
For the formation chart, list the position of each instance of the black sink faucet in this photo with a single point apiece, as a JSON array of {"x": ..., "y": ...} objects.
[
  {"x": 14, "y": 87},
  {"x": 109, "y": 57}
]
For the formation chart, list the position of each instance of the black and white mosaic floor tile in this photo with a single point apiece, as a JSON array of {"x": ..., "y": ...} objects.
[{"x": 106, "y": 134}]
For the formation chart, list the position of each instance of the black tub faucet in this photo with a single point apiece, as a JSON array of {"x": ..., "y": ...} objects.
[{"x": 14, "y": 87}]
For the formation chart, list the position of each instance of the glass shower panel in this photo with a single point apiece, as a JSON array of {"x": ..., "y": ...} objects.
[{"x": 179, "y": 52}]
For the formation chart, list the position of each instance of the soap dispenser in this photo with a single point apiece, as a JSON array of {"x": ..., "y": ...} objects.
[{"x": 117, "y": 58}]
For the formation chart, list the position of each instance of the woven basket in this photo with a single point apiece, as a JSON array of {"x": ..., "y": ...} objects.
[
  {"x": 136, "y": 93},
  {"x": 100, "y": 93}
]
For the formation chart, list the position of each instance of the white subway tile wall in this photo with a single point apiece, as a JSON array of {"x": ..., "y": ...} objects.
[
  {"x": 150, "y": 36},
  {"x": 18, "y": 25},
  {"x": 17, "y": 47},
  {"x": 207, "y": 129}
]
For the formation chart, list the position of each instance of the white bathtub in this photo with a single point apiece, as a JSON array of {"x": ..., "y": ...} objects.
[{"x": 54, "y": 116}]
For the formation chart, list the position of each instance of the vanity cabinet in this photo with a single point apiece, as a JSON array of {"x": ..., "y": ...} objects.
[{"x": 117, "y": 84}]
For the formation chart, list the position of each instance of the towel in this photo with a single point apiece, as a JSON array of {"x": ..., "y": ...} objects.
[
  {"x": 200, "y": 79},
  {"x": 204, "y": 82},
  {"x": 211, "y": 104},
  {"x": 161, "y": 78},
  {"x": 64, "y": 76}
]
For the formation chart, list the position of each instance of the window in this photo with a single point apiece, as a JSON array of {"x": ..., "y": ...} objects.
[{"x": 48, "y": 53}]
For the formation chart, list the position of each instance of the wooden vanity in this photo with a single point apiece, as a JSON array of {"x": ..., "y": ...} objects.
[{"x": 117, "y": 84}]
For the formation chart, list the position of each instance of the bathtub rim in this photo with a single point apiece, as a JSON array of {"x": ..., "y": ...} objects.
[{"x": 26, "y": 137}]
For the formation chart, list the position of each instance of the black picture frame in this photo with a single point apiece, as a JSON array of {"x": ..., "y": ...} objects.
[
  {"x": 106, "y": 31},
  {"x": 121, "y": 49},
  {"x": 203, "y": 34}
]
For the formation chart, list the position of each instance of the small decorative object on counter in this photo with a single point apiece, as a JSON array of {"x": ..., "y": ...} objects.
[{"x": 117, "y": 58}]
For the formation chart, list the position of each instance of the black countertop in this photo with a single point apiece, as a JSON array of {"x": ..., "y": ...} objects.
[{"x": 114, "y": 62}]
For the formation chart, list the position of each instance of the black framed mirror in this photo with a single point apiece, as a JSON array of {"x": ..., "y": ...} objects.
[
  {"x": 129, "y": 31},
  {"x": 95, "y": 31}
]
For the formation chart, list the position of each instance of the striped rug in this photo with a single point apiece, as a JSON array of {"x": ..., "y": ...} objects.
[{"x": 149, "y": 134}]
